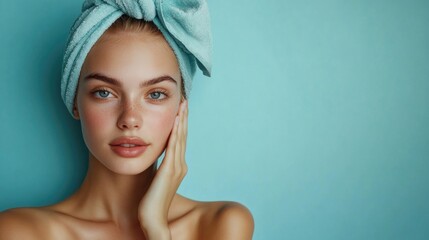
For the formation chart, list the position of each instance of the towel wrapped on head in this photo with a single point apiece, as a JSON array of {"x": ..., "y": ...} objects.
[{"x": 185, "y": 24}]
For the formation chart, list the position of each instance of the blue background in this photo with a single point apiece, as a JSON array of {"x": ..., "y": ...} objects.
[{"x": 316, "y": 117}]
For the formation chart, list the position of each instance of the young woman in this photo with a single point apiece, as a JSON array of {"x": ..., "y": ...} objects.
[{"x": 132, "y": 105}]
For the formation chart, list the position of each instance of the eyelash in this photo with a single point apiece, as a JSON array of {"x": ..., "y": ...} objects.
[
  {"x": 162, "y": 92},
  {"x": 100, "y": 90},
  {"x": 153, "y": 99}
]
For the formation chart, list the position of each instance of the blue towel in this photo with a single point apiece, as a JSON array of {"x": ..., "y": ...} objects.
[{"x": 185, "y": 24}]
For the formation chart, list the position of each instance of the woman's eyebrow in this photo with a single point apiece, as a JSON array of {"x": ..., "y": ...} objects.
[
  {"x": 116, "y": 82},
  {"x": 157, "y": 80}
]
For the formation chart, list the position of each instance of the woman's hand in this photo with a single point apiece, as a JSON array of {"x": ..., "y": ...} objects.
[{"x": 154, "y": 206}]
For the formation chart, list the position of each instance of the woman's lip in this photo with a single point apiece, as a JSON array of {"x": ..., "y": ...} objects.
[
  {"x": 128, "y": 152},
  {"x": 128, "y": 140}
]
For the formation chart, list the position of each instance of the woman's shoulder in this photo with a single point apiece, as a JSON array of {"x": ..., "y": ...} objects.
[
  {"x": 215, "y": 220},
  {"x": 25, "y": 223},
  {"x": 227, "y": 220},
  {"x": 224, "y": 219}
]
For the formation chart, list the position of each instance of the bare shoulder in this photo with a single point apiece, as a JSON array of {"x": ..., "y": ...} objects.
[
  {"x": 217, "y": 219},
  {"x": 227, "y": 220},
  {"x": 24, "y": 223}
]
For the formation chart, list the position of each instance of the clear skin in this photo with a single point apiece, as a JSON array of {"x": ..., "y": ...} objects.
[{"x": 129, "y": 198}]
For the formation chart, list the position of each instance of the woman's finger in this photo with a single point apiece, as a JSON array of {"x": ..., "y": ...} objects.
[
  {"x": 171, "y": 147},
  {"x": 182, "y": 147},
  {"x": 185, "y": 124},
  {"x": 183, "y": 134},
  {"x": 179, "y": 138}
]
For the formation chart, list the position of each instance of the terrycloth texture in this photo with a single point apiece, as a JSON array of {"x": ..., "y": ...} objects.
[{"x": 185, "y": 25}]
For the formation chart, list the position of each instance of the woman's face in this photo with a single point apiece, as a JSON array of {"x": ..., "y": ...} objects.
[{"x": 129, "y": 87}]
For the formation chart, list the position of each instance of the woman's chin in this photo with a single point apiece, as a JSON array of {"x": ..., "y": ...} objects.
[
  {"x": 125, "y": 166},
  {"x": 128, "y": 166}
]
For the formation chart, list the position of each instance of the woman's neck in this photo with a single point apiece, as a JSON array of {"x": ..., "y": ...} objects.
[{"x": 107, "y": 196}]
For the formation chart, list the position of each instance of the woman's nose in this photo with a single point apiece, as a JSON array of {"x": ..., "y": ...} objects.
[{"x": 131, "y": 117}]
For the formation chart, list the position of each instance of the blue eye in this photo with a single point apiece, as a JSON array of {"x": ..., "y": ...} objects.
[
  {"x": 157, "y": 95},
  {"x": 102, "y": 93}
]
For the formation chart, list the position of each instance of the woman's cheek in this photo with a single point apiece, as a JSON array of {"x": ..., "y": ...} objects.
[
  {"x": 164, "y": 124},
  {"x": 95, "y": 123}
]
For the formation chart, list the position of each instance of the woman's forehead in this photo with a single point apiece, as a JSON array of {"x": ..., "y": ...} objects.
[{"x": 132, "y": 55}]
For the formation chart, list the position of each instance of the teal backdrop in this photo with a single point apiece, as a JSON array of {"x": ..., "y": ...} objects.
[{"x": 316, "y": 117}]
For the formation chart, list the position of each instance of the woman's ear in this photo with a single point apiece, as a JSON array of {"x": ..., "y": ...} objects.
[{"x": 75, "y": 112}]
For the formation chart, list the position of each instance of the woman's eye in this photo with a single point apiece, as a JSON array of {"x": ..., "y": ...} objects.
[
  {"x": 102, "y": 93},
  {"x": 157, "y": 95}
]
